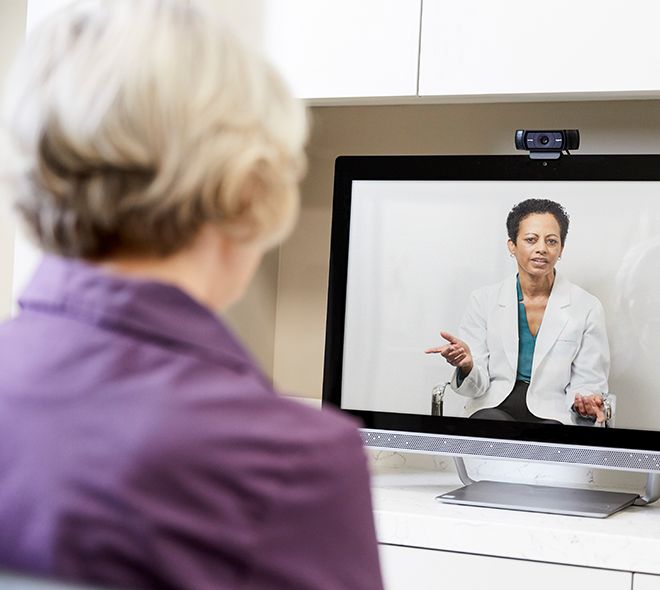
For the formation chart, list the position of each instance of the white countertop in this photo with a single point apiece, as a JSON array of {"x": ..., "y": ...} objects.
[{"x": 407, "y": 513}]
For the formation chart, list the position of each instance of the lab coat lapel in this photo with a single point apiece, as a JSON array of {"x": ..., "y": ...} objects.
[
  {"x": 507, "y": 320},
  {"x": 554, "y": 319}
]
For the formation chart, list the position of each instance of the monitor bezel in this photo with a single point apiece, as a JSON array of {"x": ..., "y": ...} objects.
[{"x": 468, "y": 168}]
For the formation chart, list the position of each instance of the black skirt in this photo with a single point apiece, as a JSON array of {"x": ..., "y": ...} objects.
[{"x": 513, "y": 408}]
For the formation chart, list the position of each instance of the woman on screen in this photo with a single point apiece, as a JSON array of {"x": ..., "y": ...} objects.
[{"x": 533, "y": 347}]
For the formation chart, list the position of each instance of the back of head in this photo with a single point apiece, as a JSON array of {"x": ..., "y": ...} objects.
[{"x": 134, "y": 122}]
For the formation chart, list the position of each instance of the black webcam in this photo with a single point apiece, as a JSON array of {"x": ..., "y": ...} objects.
[{"x": 547, "y": 145}]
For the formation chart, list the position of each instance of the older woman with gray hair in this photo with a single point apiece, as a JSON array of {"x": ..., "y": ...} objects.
[{"x": 156, "y": 160}]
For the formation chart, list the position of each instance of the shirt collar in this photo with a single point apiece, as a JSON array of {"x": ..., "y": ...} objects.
[
  {"x": 145, "y": 308},
  {"x": 558, "y": 286},
  {"x": 518, "y": 289}
]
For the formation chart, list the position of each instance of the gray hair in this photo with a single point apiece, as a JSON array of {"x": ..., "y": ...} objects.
[{"x": 134, "y": 122}]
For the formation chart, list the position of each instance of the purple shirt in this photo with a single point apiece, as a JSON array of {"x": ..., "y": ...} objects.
[{"x": 140, "y": 447}]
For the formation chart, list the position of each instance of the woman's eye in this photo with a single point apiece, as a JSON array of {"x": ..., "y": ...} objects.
[
  {"x": 529, "y": 240},
  {"x": 553, "y": 242}
]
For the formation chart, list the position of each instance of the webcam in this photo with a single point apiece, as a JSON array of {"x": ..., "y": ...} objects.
[{"x": 547, "y": 145}]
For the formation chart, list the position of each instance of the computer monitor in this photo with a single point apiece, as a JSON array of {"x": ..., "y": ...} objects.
[{"x": 419, "y": 245}]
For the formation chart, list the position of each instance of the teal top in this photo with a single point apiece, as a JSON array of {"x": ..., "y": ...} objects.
[{"x": 526, "y": 341}]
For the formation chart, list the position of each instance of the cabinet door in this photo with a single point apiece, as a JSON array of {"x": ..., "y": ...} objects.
[
  {"x": 423, "y": 569},
  {"x": 645, "y": 582},
  {"x": 509, "y": 47},
  {"x": 344, "y": 48}
]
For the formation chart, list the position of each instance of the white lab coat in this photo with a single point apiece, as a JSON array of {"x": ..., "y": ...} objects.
[{"x": 571, "y": 353}]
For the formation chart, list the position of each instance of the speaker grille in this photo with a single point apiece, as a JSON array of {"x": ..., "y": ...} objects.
[{"x": 630, "y": 460}]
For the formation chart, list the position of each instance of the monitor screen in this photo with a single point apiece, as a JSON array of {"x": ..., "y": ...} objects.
[{"x": 420, "y": 247}]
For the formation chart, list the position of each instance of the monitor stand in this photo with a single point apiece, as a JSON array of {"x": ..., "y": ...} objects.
[{"x": 554, "y": 500}]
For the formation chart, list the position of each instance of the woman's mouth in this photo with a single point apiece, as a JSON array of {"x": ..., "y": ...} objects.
[{"x": 539, "y": 261}]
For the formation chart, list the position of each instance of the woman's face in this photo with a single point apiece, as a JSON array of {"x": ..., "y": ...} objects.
[{"x": 538, "y": 244}]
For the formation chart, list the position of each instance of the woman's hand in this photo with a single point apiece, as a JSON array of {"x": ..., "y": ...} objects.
[
  {"x": 590, "y": 405},
  {"x": 456, "y": 353}
]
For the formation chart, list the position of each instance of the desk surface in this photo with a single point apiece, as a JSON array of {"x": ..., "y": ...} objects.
[{"x": 407, "y": 513}]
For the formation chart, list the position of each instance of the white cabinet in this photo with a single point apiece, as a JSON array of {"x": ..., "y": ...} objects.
[
  {"x": 645, "y": 582},
  {"x": 513, "y": 47},
  {"x": 422, "y": 569},
  {"x": 425, "y": 544},
  {"x": 343, "y": 48},
  {"x": 326, "y": 48}
]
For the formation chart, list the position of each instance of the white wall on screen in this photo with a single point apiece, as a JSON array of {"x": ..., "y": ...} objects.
[{"x": 417, "y": 250}]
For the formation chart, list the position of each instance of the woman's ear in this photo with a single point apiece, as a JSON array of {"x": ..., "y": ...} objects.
[{"x": 512, "y": 247}]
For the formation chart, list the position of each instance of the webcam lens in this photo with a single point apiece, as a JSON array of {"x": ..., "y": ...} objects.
[{"x": 547, "y": 144}]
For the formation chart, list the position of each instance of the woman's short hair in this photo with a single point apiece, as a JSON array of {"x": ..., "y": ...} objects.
[
  {"x": 135, "y": 122},
  {"x": 531, "y": 206}
]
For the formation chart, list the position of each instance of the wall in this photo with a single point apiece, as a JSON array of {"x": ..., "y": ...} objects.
[
  {"x": 606, "y": 127},
  {"x": 12, "y": 28}
]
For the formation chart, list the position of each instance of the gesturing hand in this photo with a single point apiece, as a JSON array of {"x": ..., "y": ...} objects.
[
  {"x": 456, "y": 353},
  {"x": 590, "y": 405}
]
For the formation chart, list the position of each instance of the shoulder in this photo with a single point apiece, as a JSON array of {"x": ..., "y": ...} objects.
[
  {"x": 324, "y": 442},
  {"x": 245, "y": 478},
  {"x": 263, "y": 439},
  {"x": 237, "y": 457},
  {"x": 294, "y": 422},
  {"x": 319, "y": 453}
]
